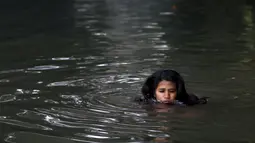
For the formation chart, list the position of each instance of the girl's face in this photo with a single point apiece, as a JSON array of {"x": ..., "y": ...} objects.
[{"x": 166, "y": 91}]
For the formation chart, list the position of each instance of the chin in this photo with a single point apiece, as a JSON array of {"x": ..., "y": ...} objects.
[{"x": 167, "y": 101}]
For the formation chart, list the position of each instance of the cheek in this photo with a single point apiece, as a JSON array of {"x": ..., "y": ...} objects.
[
  {"x": 158, "y": 94},
  {"x": 174, "y": 95}
]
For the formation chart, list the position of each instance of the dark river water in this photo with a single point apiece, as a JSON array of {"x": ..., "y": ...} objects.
[{"x": 69, "y": 70}]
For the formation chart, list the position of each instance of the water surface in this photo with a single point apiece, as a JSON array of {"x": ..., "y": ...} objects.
[{"x": 70, "y": 70}]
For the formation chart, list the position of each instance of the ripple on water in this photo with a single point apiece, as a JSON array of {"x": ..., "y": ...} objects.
[
  {"x": 166, "y": 13},
  {"x": 7, "y": 98},
  {"x": 10, "y": 121},
  {"x": 11, "y": 71},
  {"x": 76, "y": 83},
  {"x": 106, "y": 117},
  {"x": 24, "y": 91},
  {"x": 26, "y": 137},
  {"x": 4, "y": 80},
  {"x": 163, "y": 47},
  {"x": 76, "y": 99},
  {"x": 112, "y": 64},
  {"x": 121, "y": 78},
  {"x": 45, "y": 67},
  {"x": 65, "y": 59}
]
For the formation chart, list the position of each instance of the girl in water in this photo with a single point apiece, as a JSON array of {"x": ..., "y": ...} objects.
[{"x": 167, "y": 86}]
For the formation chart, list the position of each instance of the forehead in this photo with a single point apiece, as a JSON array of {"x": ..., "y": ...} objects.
[{"x": 165, "y": 83}]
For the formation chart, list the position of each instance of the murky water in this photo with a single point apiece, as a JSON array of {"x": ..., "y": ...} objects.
[{"x": 69, "y": 72}]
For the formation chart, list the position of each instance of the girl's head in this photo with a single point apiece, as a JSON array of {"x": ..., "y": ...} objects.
[{"x": 165, "y": 86}]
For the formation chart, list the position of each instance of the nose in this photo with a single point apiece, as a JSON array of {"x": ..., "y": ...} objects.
[{"x": 167, "y": 95}]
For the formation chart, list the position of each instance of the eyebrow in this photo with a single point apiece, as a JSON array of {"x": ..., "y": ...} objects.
[{"x": 168, "y": 89}]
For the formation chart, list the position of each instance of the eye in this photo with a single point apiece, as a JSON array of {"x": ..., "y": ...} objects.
[
  {"x": 171, "y": 91},
  {"x": 161, "y": 90}
]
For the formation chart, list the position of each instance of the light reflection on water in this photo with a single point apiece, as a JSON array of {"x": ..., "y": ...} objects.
[{"x": 80, "y": 87}]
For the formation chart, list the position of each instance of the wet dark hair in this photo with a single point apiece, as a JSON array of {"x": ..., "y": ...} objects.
[{"x": 151, "y": 83}]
